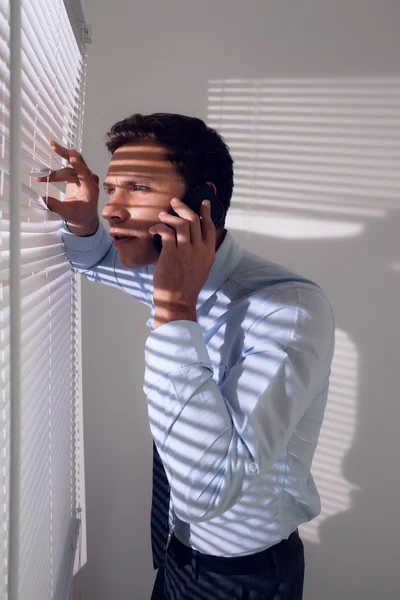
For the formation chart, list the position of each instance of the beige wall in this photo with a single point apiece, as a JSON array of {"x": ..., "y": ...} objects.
[{"x": 328, "y": 207}]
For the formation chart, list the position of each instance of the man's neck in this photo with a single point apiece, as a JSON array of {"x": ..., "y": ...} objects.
[{"x": 220, "y": 238}]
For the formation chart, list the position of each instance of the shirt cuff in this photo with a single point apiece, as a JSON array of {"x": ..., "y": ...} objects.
[{"x": 173, "y": 346}]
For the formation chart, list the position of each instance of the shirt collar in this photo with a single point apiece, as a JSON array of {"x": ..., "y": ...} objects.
[{"x": 226, "y": 260}]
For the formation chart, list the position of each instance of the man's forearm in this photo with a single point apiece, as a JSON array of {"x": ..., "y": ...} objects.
[{"x": 85, "y": 230}]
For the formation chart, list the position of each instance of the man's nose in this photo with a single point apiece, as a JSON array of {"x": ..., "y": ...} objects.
[{"x": 115, "y": 212}]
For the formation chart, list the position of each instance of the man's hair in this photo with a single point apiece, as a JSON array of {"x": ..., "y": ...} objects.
[{"x": 197, "y": 152}]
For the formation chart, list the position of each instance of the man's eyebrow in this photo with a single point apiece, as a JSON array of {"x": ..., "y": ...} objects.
[{"x": 127, "y": 181}]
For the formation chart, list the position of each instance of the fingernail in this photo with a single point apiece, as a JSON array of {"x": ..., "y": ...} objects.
[
  {"x": 175, "y": 200},
  {"x": 206, "y": 202}
]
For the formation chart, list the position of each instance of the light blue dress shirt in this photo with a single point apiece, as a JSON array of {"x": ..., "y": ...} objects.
[{"x": 236, "y": 400}]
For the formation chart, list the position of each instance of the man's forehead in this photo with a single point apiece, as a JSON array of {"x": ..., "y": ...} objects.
[
  {"x": 139, "y": 151},
  {"x": 142, "y": 159}
]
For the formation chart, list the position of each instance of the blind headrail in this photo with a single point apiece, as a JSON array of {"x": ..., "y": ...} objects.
[{"x": 78, "y": 21}]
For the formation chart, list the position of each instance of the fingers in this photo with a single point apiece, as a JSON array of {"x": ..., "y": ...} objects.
[
  {"x": 187, "y": 230},
  {"x": 80, "y": 167},
  {"x": 68, "y": 174},
  {"x": 189, "y": 227},
  {"x": 78, "y": 173},
  {"x": 66, "y": 152},
  {"x": 208, "y": 230},
  {"x": 74, "y": 158},
  {"x": 52, "y": 203},
  {"x": 167, "y": 234}
]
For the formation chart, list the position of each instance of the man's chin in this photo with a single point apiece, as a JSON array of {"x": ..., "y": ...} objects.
[
  {"x": 137, "y": 262},
  {"x": 130, "y": 263}
]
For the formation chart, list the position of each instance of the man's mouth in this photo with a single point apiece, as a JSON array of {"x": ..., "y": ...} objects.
[
  {"x": 120, "y": 236},
  {"x": 123, "y": 239}
]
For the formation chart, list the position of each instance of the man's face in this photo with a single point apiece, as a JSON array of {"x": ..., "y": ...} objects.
[{"x": 140, "y": 183}]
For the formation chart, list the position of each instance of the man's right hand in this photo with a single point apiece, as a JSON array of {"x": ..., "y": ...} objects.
[{"x": 79, "y": 208}]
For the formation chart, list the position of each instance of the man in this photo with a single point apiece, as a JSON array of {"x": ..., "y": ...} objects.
[{"x": 237, "y": 361}]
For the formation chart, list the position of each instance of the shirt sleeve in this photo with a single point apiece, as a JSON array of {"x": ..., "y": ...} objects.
[
  {"x": 97, "y": 259},
  {"x": 215, "y": 441}
]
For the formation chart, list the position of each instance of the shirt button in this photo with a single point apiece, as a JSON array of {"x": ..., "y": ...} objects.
[{"x": 253, "y": 467}]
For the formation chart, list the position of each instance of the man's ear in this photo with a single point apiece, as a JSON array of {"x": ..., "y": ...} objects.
[{"x": 212, "y": 186}]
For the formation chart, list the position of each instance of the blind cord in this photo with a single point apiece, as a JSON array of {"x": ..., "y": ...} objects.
[{"x": 15, "y": 301}]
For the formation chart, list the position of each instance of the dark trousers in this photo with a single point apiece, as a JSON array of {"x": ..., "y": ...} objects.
[{"x": 274, "y": 574}]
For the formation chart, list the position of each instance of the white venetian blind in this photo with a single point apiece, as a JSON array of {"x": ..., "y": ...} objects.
[{"x": 52, "y": 75}]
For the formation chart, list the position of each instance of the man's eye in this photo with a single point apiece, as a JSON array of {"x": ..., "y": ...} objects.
[
  {"x": 134, "y": 187},
  {"x": 140, "y": 188}
]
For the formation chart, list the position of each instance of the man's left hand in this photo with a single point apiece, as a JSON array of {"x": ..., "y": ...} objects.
[{"x": 185, "y": 261}]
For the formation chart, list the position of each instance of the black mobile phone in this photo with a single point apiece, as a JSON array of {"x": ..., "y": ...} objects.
[{"x": 193, "y": 199}]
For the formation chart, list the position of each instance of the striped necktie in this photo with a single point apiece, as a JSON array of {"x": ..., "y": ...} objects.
[{"x": 159, "y": 510}]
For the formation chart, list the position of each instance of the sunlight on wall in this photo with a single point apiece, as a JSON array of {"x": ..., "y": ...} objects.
[
  {"x": 319, "y": 157},
  {"x": 336, "y": 437},
  {"x": 394, "y": 266},
  {"x": 289, "y": 226}
]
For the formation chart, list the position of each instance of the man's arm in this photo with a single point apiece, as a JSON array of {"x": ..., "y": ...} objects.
[
  {"x": 214, "y": 442},
  {"x": 97, "y": 259},
  {"x": 85, "y": 252}
]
